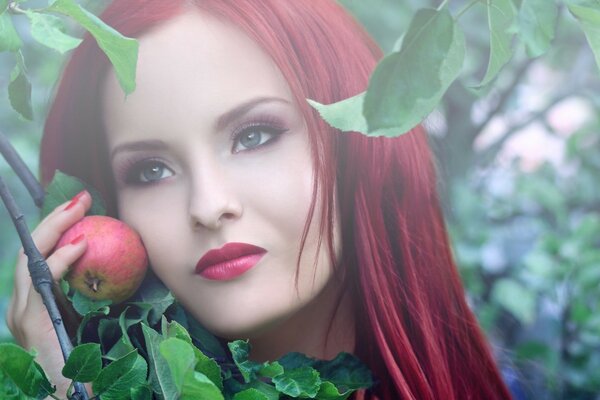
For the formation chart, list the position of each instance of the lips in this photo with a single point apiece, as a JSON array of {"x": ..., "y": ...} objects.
[{"x": 230, "y": 261}]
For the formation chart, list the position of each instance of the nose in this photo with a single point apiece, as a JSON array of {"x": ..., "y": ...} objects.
[{"x": 212, "y": 199}]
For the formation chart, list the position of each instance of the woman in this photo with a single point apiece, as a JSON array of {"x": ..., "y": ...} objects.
[{"x": 217, "y": 154}]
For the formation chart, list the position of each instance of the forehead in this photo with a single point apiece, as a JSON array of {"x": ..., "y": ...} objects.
[{"x": 194, "y": 61}]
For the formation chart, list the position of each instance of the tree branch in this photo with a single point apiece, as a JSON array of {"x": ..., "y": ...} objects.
[
  {"x": 39, "y": 270},
  {"x": 18, "y": 165}
]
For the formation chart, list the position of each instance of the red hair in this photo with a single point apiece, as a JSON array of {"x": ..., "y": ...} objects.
[{"x": 413, "y": 326}]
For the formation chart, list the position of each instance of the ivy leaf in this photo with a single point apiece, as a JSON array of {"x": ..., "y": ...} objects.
[
  {"x": 160, "y": 377},
  {"x": 537, "y": 23},
  {"x": 9, "y": 38},
  {"x": 50, "y": 31},
  {"x": 587, "y": 13},
  {"x": 63, "y": 187},
  {"x": 19, "y": 90},
  {"x": 118, "y": 378},
  {"x": 501, "y": 19},
  {"x": 120, "y": 50},
  {"x": 19, "y": 366},
  {"x": 298, "y": 382},
  {"x": 84, "y": 363}
]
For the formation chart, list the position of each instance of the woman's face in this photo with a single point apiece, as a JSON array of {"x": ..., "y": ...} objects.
[{"x": 211, "y": 149}]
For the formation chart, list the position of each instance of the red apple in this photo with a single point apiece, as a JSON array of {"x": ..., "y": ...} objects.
[{"x": 114, "y": 263}]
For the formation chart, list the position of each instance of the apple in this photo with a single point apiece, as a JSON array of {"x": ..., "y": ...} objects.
[{"x": 114, "y": 263}]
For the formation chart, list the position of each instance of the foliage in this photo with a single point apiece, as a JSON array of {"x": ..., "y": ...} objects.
[{"x": 525, "y": 238}]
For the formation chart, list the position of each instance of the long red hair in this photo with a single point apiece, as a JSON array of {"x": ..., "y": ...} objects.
[{"x": 413, "y": 326}]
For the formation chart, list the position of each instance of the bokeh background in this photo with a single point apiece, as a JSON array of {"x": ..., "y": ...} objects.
[{"x": 519, "y": 170}]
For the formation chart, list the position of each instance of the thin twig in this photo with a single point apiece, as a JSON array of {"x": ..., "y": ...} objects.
[
  {"x": 18, "y": 165},
  {"x": 42, "y": 279}
]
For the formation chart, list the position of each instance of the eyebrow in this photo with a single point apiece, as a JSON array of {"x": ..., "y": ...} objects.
[
  {"x": 139, "y": 146},
  {"x": 223, "y": 121},
  {"x": 244, "y": 108}
]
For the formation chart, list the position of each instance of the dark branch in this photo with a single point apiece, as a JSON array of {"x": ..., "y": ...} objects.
[
  {"x": 41, "y": 277},
  {"x": 16, "y": 162}
]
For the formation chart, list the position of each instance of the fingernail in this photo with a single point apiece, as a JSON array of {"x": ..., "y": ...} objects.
[
  {"x": 75, "y": 200},
  {"x": 78, "y": 239}
]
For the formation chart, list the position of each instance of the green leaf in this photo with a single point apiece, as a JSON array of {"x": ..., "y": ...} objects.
[
  {"x": 587, "y": 13},
  {"x": 250, "y": 394},
  {"x": 407, "y": 85},
  {"x": 117, "y": 379},
  {"x": 87, "y": 318},
  {"x": 156, "y": 295},
  {"x": 20, "y": 368},
  {"x": 63, "y": 187},
  {"x": 84, "y": 363},
  {"x": 160, "y": 374},
  {"x": 174, "y": 329},
  {"x": 346, "y": 115},
  {"x": 240, "y": 350},
  {"x": 537, "y": 24},
  {"x": 298, "y": 382},
  {"x": 19, "y": 90},
  {"x": 328, "y": 391},
  {"x": 515, "y": 298},
  {"x": 180, "y": 358},
  {"x": 120, "y": 50},
  {"x": 141, "y": 393},
  {"x": 501, "y": 19},
  {"x": 204, "y": 364},
  {"x": 84, "y": 305},
  {"x": 9, "y": 38},
  {"x": 345, "y": 371},
  {"x": 120, "y": 349},
  {"x": 198, "y": 386},
  {"x": 271, "y": 369},
  {"x": 50, "y": 31}
]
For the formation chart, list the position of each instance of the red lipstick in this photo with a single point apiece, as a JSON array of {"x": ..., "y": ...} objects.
[{"x": 229, "y": 262}]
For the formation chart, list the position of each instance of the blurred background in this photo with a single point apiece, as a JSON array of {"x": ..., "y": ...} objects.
[{"x": 519, "y": 167}]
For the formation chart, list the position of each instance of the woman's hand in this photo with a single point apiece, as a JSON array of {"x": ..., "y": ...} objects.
[{"x": 27, "y": 317}]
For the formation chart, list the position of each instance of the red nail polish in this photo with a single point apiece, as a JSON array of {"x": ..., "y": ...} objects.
[
  {"x": 78, "y": 239},
  {"x": 74, "y": 200}
]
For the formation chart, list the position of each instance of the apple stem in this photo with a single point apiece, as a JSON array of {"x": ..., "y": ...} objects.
[{"x": 94, "y": 284}]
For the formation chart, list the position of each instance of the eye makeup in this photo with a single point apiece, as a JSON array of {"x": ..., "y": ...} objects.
[{"x": 144, "y": 168}]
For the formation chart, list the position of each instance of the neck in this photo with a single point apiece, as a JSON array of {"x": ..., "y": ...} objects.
[{"x": 308, "y": 330}]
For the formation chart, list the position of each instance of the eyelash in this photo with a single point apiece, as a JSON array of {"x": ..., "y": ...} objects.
[{"x": 133, "y": 169}]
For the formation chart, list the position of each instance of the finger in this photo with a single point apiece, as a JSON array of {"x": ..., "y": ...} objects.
[
  {"x": 48, "y": 232},
  {"x": 58, "y": 263}
]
